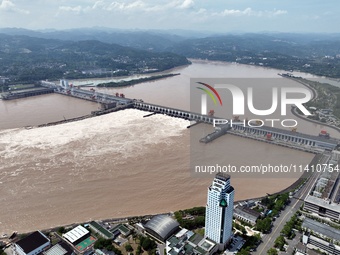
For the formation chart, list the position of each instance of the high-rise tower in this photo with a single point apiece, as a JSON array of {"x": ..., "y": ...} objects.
[{"x": 219, "y": 210}]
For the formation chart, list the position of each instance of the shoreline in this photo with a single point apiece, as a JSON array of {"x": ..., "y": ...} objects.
[
  {"x": 124, "y": 77},
  {"x": 315, "y": 96},
  {"x": 199, "y": 60},
  {"x": 121, "y": 84},
  {"x": 293, "y": 110}
]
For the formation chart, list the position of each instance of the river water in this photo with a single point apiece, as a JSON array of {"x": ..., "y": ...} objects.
[{"x": 120, "y": 164}]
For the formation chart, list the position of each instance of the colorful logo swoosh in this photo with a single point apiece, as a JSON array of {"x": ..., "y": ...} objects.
[{"x": 210, "y": 93}]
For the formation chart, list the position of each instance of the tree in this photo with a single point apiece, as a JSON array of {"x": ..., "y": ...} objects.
[
  {"x": 138, "y": 250},
  {"x": 152, "y": 252},
  {"x": 288, "y": 227},
  {"x": 61, "y": 230},
  {"x": 264, "y": 225},
  {"x": 265, "y": 200},
  {"x": 274, "y": 213},
  {"x": 257, "y": 237},
  {"x": 272, "y": 251},
  {"x": 279, "y": 205},
  {"x": 110, "y": 247},
  {"x": 280, "y": 242},
  {"x": 147, "y": 244},
  {"x": 128, "y": 247},
  {"x": 102, "y": 243},
  {"x": 286, "y": 230},
  {"x": 243, "y": 252}
]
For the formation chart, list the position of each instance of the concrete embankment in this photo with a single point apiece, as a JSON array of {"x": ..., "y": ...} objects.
[{"x": 26, "y": 93}]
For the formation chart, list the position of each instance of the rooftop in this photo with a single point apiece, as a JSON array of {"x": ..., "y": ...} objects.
[
  {"x": 181, "y": 233},
  {"x": 206, "y": 244},
  {"x": 322, "y": 229},
  {"x": 222, "y": 176},
  {"x": 301, "y": 247},
  {"x": 247, "y": 212},
  {"x": 76, "y": 233},
  {"x": 236, "y": 244},
  {"x": 163, "y": 225},
  {"x": 101, "y": 229},
  {"x": 195, "y": 239},
  {"x": 124, "y": 230},
  {"x": 188, "y": 243},
  {"x": 325, "y": 243},
  {"x": 323, "y": 203},
  {"x": 33, "y": 241},
  {"x": 56, "y": 250}
]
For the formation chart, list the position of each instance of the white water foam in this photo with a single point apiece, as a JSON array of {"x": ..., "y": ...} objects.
[{"x": 124, "y": 133}]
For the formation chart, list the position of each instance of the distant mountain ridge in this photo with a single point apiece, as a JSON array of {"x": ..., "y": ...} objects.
[
  {"x": 25, "y": 58},
  {"x": 137, "y": 39},
  {"x": 313, "y": 53}
]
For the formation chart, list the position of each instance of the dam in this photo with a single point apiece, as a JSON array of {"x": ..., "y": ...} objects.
[{"x": 110, "y": 103}]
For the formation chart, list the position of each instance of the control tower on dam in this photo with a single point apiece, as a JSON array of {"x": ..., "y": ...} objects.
[{"x": 107, "y": 101}]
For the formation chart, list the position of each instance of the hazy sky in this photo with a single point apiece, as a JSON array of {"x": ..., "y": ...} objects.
[{"x": 208, "y": 15}]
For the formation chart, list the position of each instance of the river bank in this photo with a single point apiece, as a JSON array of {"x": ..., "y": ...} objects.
[
  {"x": 135, "y": 81},
  {"x": 314, "y": 103}
]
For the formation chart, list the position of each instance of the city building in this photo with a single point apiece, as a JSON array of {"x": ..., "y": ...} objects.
[
  {"x": 235, "y": 245},
  {"x": 115, "y": 231},
  {"x": 322, "y": 207},
  {"x": 124, "y": 230},
  {"x": 100, "y": 230},
  {"x": 186, "y": 242},
  {"x": 80, "y": 239},
  {"x": 246, "y": 214},
  {"x": 77, "y": 234},
  {"x": 161, "y": 227},
  {"x": 320, "y": 236},
  {"x": 219, "y": 210},
  {"x": 324, "y": 198},
  {"x": 59, "y": 249},
  {"x": 248, "y": 203},
  {"x": 301, "y": 249},
  {"x": 32, "y": 244},
  {"x": 99, "y": 252}
]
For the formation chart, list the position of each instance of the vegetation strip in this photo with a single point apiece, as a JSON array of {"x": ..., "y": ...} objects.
[{"x": 135, "y": 81}]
